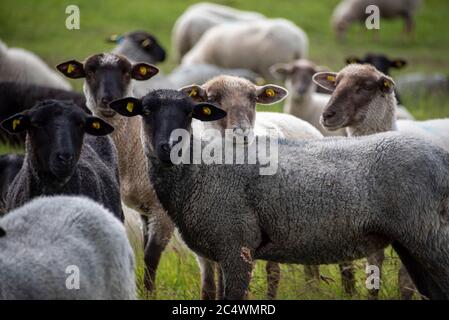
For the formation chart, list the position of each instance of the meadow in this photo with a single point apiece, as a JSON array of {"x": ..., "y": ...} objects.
[{"x": 39, "y": 26}]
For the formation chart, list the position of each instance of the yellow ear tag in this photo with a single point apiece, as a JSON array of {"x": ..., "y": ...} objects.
[
  {"x": 386, "y": 84},
  {"x": 143, "y": 70},
  {"x": 130, "y": 107},
  {"x": 331, "y": 78},
  {"x": 96, "y": 125},
  {"x": 70, "y": 68},
  {"x": 15, "y": 123},
  {"x": 270, "y": 93},
  {"x": 207, "y": 111},
  {"x": 145, "y": 43},
  {"x": 193, "y": 93}
]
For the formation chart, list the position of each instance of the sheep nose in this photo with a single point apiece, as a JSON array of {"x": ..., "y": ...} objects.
[
  {"x": 64, "y": 158},
  {"x": 328, "y": 114}
]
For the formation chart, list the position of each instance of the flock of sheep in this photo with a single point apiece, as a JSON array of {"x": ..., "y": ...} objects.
[{"x": 95, "y": 160}]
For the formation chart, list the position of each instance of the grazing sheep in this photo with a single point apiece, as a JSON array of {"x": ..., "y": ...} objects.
[
  {"x": 25, "y": 67},
  {"x": 10, "y": 165},
  {"x": 199, "y": 18},
  {"x": 49, "y": 241},
  {"x": 61, "y": 159},
  {"x": 266, "y": 42},
  {"x": 108, "y": 77},
  {"x": 330, "y": 200},
  {"x": 303, "y": 100},
  {"x": 371, "y": 112},
  {"x": 418, "y": 85},
  {"x": 350, "y": 11},
  {"x": 238, "y": 98},
  {"x": 17, "y": 97}
]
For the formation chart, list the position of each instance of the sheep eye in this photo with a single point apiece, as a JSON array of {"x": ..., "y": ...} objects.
[{"x": 368, "y": 86}]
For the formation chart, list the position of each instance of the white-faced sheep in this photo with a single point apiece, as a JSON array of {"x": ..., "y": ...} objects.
[
  {"x": 363, "y": 101},
  {"x": 266, "y": 42},
  {"x": 309, "y": 211},
  {"x": 238, "y": 98},
  {"x": 200, "y": 17},
  {"x": 66, "y": 153},
  {"x": 303, "y": 100},
  {"x": 23, "y": 66},
  {"x": 64, "y": 248},
  {"x": 108, "y": 77},
  {"x": 350, "y": 11}
]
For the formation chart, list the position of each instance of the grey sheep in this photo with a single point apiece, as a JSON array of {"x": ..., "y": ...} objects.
[
  {"x": 45, "y": 243},
  {"x": 331, "y": 200}
]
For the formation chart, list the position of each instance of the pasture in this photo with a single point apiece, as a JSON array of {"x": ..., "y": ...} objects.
[{"x": 39, "y": 26}]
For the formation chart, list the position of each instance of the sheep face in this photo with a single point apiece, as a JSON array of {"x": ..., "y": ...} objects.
[
  {"x": 55, "y": 131},
  {"x": 238, "y": 97},
  {"x": 139, "y": 46},
  {"x": 355, "y": 88},
  {"x": 380, "y": 61},
  {"x": 107, "y": 78},
  {"x": 163, "y": 112}
]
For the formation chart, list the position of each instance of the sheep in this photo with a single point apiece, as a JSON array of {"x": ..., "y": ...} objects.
[
  {"x": 267, "y": 42},
  {"x": 48, "y": 242},
  {"x": 23, "y": 66},
  {"x": 330, "y": 200},
  {"x": 10, "y": 165},
  {"x": 303, "y": 101},
  {"x": 66, "y": 153},
  {"x": 238, "y": 98},
  {"x": 418, "y": 85},
  {"x": 350, "y": 11},
  {"x": 199, "y": 18},
  {"x": 17, "y": 97},
  {"x": 372, "y": 112},
  {"x": 108, "y": 77}
]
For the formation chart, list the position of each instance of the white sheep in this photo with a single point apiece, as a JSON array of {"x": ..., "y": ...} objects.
[
  {"x": 199, "y": 18},
  {"x": 254, "y": 45},
  {"x": 350, "y": 11},
  {"x": 64, "y": 248},
  {"x": 20, "y": 65}
]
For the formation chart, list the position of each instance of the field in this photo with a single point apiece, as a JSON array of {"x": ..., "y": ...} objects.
[{"x": 40, "y": 27}]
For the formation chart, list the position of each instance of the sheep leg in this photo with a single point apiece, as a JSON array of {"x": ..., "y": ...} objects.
[
  {"x": 237, "y": 273},
  {"x": 208, "y": 288},
  {"x": 347, "y": 277},
  {"x": 420, "y": 276},
  {"x": 273, "y": 277},
  {"x": 312, "y": 276},
  {"x": 409, "y": 23},
  {"x": 159, "y": 231},
  {"x": 220, "y": 283},
  {"x": 406, "y": 286},
  {"x": 376, "y": 259}
]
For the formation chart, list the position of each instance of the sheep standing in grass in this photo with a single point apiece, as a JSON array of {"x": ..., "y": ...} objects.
[
  {"x": 200, "y": 17},
  {"x": 47, "y": 241},
  {"x": 330, "y": 200},
  {"x": 363, "y": 101},
  {"x": 16, "y": 97},
  {"x": 238, "y": 98},
  {"x": 25, "y": 67},
  {"x": 350, "y": 11},
  {"x": 66, "y": 153},
  {"x": 254, "y": 45},
  {"x": 303, "y": 101}
]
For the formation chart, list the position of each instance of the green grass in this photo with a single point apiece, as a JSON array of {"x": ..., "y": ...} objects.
[{"x": 39, "y": 26}]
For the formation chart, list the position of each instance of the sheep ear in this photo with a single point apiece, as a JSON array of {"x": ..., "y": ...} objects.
[
  {"x": 386, "y": 84},
  {"x": 143, "y": 71},
  {"x": 326, "y": 80},
  {"x": 281, "y": 70},
  {"x": 97, "y": 127},
  {"x": 16, "y": 124},
  {"x": 398, "y": 63},
  {"x": 207, "y": 112},
  {"x": 270, "y": 94},
  {"x": 195, "y": 92},
  {"x": 128, "y": 107},
  {"x": 350, "y": 60},
  {"x": 2, "y": 232},
  {"x": 72, "y": 69}
]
